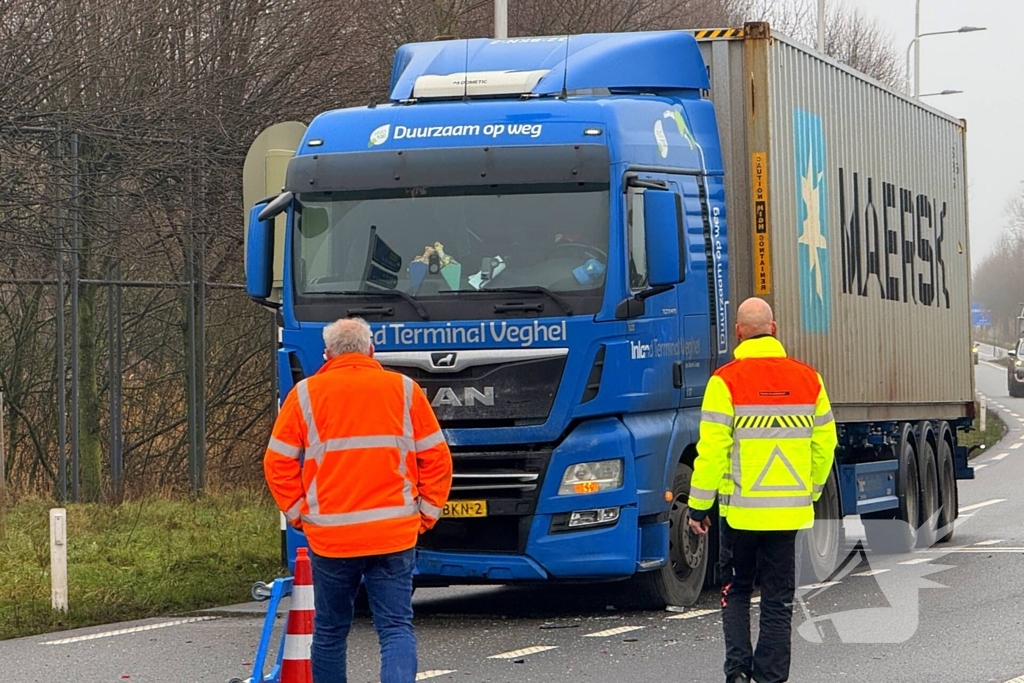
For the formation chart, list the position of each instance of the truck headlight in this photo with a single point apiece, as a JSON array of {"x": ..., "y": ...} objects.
[{"x": 591, "y": 477}]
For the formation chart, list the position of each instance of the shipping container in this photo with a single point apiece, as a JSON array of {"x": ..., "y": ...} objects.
[{"x": 872, "y": 289}]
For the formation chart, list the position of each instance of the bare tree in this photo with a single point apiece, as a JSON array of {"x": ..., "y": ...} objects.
[{"x": 851, "y": 36}]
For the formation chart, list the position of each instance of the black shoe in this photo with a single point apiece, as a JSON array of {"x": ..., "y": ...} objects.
[{"x": 738, "y": 678}]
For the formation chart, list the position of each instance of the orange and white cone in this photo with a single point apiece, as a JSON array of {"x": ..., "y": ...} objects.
[{"x": 296, "y": 666}]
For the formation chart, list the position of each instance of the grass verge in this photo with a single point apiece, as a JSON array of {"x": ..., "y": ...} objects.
[
  {"x": 995, "y": 429},
  {"x": 141, "y": 559}
]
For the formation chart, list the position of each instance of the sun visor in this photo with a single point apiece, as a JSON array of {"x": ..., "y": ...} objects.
[{"x": 648, "y": 61}]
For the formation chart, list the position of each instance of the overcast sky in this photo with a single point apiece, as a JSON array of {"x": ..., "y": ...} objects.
[{"x": 989, "y": 67}]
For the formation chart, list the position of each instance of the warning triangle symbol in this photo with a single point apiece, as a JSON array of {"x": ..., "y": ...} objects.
[{"x": 774, "y": 460}]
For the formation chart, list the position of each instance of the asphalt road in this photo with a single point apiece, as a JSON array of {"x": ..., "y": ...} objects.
[{"x": 969, "y": 629}]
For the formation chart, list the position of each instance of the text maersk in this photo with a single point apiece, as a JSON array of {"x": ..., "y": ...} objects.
[{"x": 496, "y": 332}]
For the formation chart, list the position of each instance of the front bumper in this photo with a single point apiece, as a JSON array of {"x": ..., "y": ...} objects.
[{"x": 541, "y": 550}]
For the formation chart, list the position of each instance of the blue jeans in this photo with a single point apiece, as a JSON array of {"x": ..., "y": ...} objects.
[{"x": 388, "y": 580}]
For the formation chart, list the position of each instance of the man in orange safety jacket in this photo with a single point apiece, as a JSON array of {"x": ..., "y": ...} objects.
[{"x": 357, "y": 461}]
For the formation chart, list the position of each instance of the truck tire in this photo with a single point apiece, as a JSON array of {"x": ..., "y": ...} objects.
[
  {"x": 895, "y": 531},
  {"x": 681, "y": 579},
  {"x": 947, "y": 490},
  {"x": 929, "y": 482},
  {"x": 819, "y": 545}
]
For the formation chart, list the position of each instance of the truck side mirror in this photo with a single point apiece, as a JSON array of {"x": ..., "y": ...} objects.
[
  {"x": 1011, "y": 354},
  {"x": 259, "y": 254},
  {"x": 663, "y": 224}
]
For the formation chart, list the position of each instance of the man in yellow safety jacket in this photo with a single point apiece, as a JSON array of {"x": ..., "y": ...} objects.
[{"x": 767, "y": 441}]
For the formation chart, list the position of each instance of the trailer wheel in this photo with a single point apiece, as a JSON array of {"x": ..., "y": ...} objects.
[
  {"x": 947, "y": 491},
  {"x": 893, "y": 532},
  {"x": 680, "y": 581},
  {"x": 819, "y": 545},
  {"x": 929, "y": 476}
]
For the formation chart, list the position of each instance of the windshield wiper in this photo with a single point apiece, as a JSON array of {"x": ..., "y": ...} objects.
[
  {"x": 391, "y": 294},
  {"x": 526, "y": 289}
]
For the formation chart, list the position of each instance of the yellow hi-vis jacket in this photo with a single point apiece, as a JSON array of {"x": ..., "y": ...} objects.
[{"x": 767, "y": 441}]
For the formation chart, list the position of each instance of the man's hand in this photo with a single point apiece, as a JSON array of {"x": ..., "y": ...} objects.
[{"x": 700, "y": 528}]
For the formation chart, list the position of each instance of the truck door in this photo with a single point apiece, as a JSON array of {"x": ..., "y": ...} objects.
[{"x": 654, "y": 335}]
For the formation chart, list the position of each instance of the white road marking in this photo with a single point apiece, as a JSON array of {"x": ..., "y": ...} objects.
[
  {"x": 424, "y": 675},
  {"x": 976, "y": 506},
  {"x": 815, "y": 586},
  {"x": 992, "y": 542},
  {"x": 978, "y": 467},
  {"x": 873, "y": 572},
  {"x": 918, "y": 560},
  {"x": 515, "y": 654},
  {"x": 1000, "y": 456},
  {"x": 1018, "y": 679},
  {"x": 694, "y": 614},
  {"x": 613, "y": 632},
  {"x": 1016, "y": 446},
  {"x": 127, "y": 631},
  {"x": 974, "y": 550}
]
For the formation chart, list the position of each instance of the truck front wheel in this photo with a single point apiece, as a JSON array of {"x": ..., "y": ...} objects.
[{"x": 680, "y": 580}]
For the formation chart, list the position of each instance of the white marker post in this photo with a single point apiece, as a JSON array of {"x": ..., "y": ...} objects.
[
  {"x": 984, "y": 411},
  {"x": 59, "y": 559}
]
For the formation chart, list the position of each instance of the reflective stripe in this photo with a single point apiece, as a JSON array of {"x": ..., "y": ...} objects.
[
  {"x": 429, "y": 510},
  {"x": 285, "y": 449},
  {"x": 407, "y": 391},
  {"x": 820, "y": 420},
  {"x": 715, "y": 417},
  {"x": 297, "y": 646},
  {"x": 740, "y": 501},
  {"x": 702, "y": 494},
  {"x": 302, "y": 389},
  {"x": 409, "y": 436},
  {"x": 776, "y": 409},
  {"x": 773, "y": 433},
  {"x": 302, "y": 598},
  {"x": 818, "y": 488},
  {"x": 312, "y": 498},
  {"x": 349, "y": 518},
  {"x": 774, "y": 421},
  {"x": 428, "y": 442},
  {"x": 292, "y": 513},
  {"x": 350, "y": 443}
]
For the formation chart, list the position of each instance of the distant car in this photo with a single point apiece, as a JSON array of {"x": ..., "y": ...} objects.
[
  {"x": 1015, "y": 371},
  {"x": 974, "y": 352}
]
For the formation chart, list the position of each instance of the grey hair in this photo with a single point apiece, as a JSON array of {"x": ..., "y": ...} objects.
[{"x": 348, "y": 335}]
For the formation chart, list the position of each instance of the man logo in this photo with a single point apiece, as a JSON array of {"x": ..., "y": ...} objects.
[
  {"x": 443, "y": 360},
  {"x": 470, "y": 397}
]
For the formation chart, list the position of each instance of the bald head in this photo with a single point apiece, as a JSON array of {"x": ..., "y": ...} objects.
[{"x": 754, "y": 317}]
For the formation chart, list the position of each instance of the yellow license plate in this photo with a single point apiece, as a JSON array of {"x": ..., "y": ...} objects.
[{"x": 465, "y": 508}]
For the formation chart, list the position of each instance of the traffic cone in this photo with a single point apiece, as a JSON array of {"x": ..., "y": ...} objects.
[{"x": 296, "y": 666}]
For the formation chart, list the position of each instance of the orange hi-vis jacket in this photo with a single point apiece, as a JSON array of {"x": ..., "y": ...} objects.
[{"x": 357, "y": 460}]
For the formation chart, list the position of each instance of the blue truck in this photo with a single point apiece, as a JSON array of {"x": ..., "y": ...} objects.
[{"x": 550, "y": 236}]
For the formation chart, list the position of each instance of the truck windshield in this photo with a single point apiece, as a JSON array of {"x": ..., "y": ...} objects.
[{"x": 431, "y": 242}]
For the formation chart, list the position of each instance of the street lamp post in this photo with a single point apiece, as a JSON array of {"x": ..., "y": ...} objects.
[
  {"x": 501, "y": 19},
  {"x": 915, "y": 44}
]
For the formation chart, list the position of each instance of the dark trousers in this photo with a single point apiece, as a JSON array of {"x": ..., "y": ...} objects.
[
  {"x": 388, "y": 581},
  {"x": 772, "y": 555}
]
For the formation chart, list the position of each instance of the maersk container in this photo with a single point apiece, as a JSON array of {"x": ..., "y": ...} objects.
[{"x": 871, "y": 285}]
